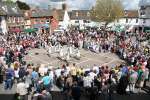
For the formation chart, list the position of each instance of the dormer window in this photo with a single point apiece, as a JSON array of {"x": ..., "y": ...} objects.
[
  {"x": 14, "y": 9},
  {"x": 5, "y": 8},
  {"x": 142, "y": 8}
]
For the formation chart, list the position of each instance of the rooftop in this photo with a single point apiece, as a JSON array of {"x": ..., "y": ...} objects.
[
  {"x": 41, "y": 13},
  {"x": 10, "y": 9},
  {"x": 131, "y": 13}
]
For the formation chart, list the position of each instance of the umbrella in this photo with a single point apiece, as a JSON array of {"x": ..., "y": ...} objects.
[
  {"x": 29, "y": 30},
  {"x": 148, "y": 31}
]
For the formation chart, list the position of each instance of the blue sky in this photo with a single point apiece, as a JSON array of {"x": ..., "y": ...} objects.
[{"x": 79, "y": 4}]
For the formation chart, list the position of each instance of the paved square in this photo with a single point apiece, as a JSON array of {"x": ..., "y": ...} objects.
[{"x": 87, "y": 59}]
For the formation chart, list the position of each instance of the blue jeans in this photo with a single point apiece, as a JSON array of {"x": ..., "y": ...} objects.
[
  {"x": 8, "y": 84},
  {"x": 47, "y": 87}
]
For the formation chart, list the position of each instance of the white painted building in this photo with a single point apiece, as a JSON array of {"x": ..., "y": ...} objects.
[
  {"x": 144, "y": 13},
  {"x": 3, "y": 25}
]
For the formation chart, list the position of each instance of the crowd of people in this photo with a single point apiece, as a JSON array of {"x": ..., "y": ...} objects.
[{"x": 72, "y": 80}]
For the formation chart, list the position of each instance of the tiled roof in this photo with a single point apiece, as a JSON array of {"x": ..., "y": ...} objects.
[
  {"x": 131, "y": 13},
  {"x": 2, "y": 12},
  {"x": 41, "y": 13}
]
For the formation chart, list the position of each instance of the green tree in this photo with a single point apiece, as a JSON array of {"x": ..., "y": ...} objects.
[
  {"x": 107, "y": 11},
  {"x": 23, "y": 5},
  {"x": 9, "y": 1}
]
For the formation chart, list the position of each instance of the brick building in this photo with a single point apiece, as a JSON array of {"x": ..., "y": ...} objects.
[{"x": 40, "y": 19}]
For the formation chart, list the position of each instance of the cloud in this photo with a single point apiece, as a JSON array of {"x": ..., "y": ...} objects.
[
  {"x": 130, "y": 4},
  {"x": 78, "y": 4},
  {"x": 57, "y": 0}
]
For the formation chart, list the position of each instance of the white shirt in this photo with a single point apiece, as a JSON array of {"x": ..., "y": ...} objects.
[
  {"x": 67, "y": 71},
  {"x": 58, "y": 72},
  {"x": 51, "y": 74},
  {"x": 87, "y": 81},
  {"x": 21, "y": 88},
  {"x": 96, "y": 68},
  {"x": 92, "y": 75},
  {"x": 16, "y": 73}
]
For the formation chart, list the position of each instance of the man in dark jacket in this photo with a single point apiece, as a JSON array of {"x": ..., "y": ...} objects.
[
  {"x": 1, "y": 72},
  {"x": 123, "y": 83},
  {"x": 76, "y": 91},
  {"x": 22, "y": 72}
]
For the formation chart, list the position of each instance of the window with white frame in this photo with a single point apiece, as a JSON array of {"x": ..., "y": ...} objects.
[
  {"x": 47, "y": 20},
  {"x": 14, "y": 19},
  {"x": 9, "y": 19},
  {"x": 77, "y": 14}
]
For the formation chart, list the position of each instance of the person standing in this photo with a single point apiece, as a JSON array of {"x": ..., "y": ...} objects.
[
  {"x": 123, "y": 83},
  {"x": 9, "y": 78},
  {"x": 35, "y": 78},
  {"x": 22, "y": 72},
  {"x": 1, "y": 72},
  {"x": 47, "y": 81},
  {"x": 22, "y": 90},
  {"x": 76, "y": 91}
]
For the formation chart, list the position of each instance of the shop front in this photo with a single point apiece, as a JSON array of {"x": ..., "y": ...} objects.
[{"x": 42, "y": 28}]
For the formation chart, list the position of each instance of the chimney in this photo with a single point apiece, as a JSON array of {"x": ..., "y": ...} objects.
[{"x": 64, "y": 6}]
